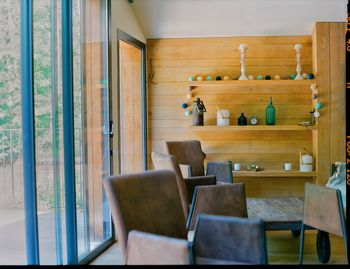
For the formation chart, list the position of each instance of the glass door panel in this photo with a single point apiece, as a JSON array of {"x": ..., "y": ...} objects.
[{"x": 91, "y": 109}]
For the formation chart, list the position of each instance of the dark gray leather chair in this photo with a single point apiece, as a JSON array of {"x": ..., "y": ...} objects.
[
  {"x": 229, "y": 240},
  {"x": 221, "y": 170}
]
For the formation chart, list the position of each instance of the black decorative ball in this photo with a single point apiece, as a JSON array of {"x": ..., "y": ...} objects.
[
  {"x": 184, "y": 105},
  {"x": 310, "y": 76},
  {"x": 268, "y": 77},
  {"x": 218, "y": 78}
]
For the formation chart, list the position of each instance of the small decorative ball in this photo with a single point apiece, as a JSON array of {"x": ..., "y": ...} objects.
[
  {"x": 260, "y": 77},
  {"x": 277, "y": 77},
  {"x": 218, "y": 78},
  {"x": 304, "y": 75},
  {"x": 209, "y": 78},
  {"x": 317, "y": 114},
  {"x": 189, "y": 95},
  {"x": 267, "y": 77},
  {"x": 191, "y": 78},
  {"x": 184, "y": 105},
  {"x": 199, "y": 78},
  {"x": 226, "y": 78},
  {"x": 310, "y": 76},
  {"x": 188, "y": 113},
  {"x": 292, "y": 76},
  {"x": 250, "y": 77},
  {"x": 318, "y": 105}
]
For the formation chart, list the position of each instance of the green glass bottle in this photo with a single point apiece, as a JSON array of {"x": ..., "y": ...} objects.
[{"x": 270, "y": 114}]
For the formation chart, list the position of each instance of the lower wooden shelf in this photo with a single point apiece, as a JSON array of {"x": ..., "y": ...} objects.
[{"x": 272, "y": 173}]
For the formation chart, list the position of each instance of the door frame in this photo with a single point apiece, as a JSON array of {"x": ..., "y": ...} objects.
[{"x": 122, "y": 36}]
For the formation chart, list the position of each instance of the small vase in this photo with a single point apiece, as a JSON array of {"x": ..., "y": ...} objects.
[{"x": 242, "y": 120}]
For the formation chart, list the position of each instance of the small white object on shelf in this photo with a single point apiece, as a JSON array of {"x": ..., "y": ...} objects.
[
  {"x": 243, "y": 48},
  {"x": 298, "y": 48},
  {"x": 306, "y": 161},
  {"x": 250, "y": 77},
  {"x": 237, "y": 166},
  {"x": 222, "y": 117}
]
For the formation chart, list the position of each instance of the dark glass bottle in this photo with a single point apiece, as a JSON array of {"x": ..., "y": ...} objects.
[
  {"x": 270, "y": 113},
  {"x": 242, "y": 120}
]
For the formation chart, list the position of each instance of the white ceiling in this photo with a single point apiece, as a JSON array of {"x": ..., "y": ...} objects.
[{"x": 217, "y": 18}]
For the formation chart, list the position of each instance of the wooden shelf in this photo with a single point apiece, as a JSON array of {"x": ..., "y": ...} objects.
[
  {"x": 211, "y": 83},
  {"x": 272, "y": 173},
  {"x": 253, "y": 128}
]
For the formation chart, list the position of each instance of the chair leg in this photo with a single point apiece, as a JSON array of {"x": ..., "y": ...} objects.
[{"x": 301, "y": 250}]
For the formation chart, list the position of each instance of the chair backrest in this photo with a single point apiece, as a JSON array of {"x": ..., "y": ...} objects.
[
  {"x": 225, "y": 200},
  {"x": 323, "y": 209},
  {"x": 148, "y": 202},
  {"x": 151, "y": 249},
  {"x": 190, "y": 153},
  {"x": 229, "y": 240},
  {"x": 222, "y": 171},
  {"x": 163, "y": 161}
]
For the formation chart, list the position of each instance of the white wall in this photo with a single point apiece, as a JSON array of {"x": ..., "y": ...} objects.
[
  {"x": 218, "y": 18},
  {"x": 122, "y": 17}
]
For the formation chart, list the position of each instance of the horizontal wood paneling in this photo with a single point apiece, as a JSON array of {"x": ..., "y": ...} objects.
[{"x": 172, "y": 61}]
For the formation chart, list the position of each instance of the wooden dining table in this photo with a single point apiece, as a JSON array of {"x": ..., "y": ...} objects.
[{"x": 286, "y": 213}]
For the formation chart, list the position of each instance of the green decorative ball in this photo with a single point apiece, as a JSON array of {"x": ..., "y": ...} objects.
[
  {"x": 292, "y": 76},
  {"x": 218, "y": 78},
  {"x": 188, "y": 113},
  {"x": 260, "y": 77},
  {"x": 310, "y": 76},
  {"x": 267, "y": 77},
  {"x": 209, "y": 78},
  {"x": 184, "y": 105},
  {"x": 319, "y": 105},
  {"x": 191, "y": 78}
]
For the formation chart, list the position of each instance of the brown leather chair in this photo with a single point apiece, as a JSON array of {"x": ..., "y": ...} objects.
[
  {"x": 152, "y": 249},
  {"x": 148, "y": 202},
  {"x": 190, "y": 156},
  {"x": 324, "y": 211},
  {"x": 229, "y": 240},
  {"x": 188, "y": 153},
  {"x": 228, "y": 199},
  {"x": 186, "y": 186},
  {"x": 225, "y": 200}
]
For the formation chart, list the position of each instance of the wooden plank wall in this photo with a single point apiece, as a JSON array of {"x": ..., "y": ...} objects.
[
  {"x": 329, "y": 67},
  {"x": 172, "y": 61}
]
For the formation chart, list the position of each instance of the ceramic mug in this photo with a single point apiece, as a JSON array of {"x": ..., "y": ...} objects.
[
  {"x": 287, "y": 166},
  {"x": 237, "y": 166}
]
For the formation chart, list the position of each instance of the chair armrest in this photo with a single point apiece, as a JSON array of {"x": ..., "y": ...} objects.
[
  {"x": 146, "y": 248},
  {"x": 192, "y": 182}
]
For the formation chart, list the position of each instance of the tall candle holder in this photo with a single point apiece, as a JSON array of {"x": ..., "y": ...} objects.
[
  {"x": 298, "y": 48},
  {"x": 243, "y": 48}
]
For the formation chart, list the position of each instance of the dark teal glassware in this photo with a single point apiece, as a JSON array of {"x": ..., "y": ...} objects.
[
  {"x": 242, "y": 120},
  {"x": 270, "y": 114}
]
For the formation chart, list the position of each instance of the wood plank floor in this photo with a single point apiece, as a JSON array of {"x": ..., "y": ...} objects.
[{"x": 282, "y": 249}]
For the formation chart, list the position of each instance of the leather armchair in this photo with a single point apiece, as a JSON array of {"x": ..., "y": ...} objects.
[
  {"x": 148, "y": 202},
  {"x": 229, "y": 240}
]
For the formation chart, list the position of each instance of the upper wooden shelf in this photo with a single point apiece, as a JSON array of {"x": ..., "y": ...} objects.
[
  {"x": 274, "y": 173},
  {"x": 253, "y": 128},
  {"x": 287, "y": 82}
]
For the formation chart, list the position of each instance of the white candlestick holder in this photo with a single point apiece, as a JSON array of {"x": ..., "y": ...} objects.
[
  {"x": 243, "y": 48},
  {"x": 298, "y": 48}
]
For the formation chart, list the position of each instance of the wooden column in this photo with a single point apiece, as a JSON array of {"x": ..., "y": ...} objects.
[{"x": 328, "y": 41}]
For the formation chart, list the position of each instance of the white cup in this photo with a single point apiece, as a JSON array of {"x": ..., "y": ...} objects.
[
  {"x": 237, "y": 166},
  {"x": 287, "y": 166}
]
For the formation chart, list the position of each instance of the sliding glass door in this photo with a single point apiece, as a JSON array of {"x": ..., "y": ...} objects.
[
  {"x": 33, "y": 204},
  {"x": 92, "y": 122}
]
